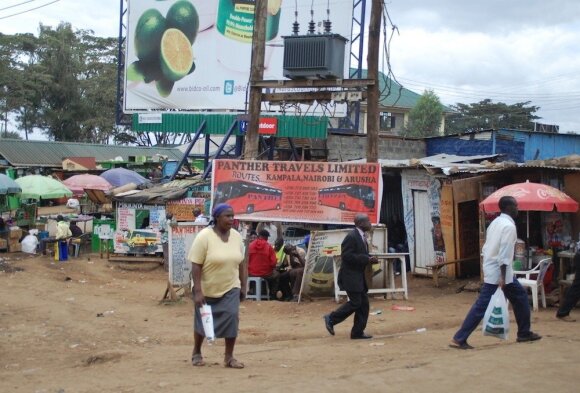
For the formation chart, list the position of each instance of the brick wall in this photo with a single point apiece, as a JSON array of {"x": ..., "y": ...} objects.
[{"x": 352, "y": 147}]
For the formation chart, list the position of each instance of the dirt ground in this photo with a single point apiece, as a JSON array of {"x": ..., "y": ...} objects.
[{"x": 88, "y": 326}]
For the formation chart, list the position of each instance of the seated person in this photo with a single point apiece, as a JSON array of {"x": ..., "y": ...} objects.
[
  {"x": 262, "y": 262},
  {"x": 62, "y": 228},
  {"x": 280, "y": 254},
  {"x": 75, "y": 230},
  {"x": 397, "y": 242},
  {"x": 62, "y": 232},
  {"x": 291, "y": 278},
  {"x": 199, "y": 217}
]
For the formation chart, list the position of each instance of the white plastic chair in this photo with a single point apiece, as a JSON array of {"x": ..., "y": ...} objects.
[{"x": 535, "y": 284}]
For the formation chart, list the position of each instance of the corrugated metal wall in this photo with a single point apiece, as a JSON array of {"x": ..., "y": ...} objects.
[
  {"x": 218, "y": 124},
  {"x": 515, "y": 145}
]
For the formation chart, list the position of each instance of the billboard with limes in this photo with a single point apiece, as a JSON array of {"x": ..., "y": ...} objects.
[{"x": 196, "y": 54}]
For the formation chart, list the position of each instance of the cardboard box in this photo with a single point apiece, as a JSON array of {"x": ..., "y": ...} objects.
[
  {"x": 14, "y": 247},
  {"x": 15, "y": 233}
]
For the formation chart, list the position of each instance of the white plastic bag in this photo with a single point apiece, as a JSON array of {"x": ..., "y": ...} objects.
[
  {"x": 496, "y": 321},
  {"x": 29, "y": 244},
  {"x": 207, "y": 320}
]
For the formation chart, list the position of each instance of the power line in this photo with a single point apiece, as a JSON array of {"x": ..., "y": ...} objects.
[
  {"x": 16, "y": 5},
  {"x": 31, "y": 9}
]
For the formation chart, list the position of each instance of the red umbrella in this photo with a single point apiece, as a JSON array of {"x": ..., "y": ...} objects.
[
  {"x": 79, "y": 183},
  {"x": 531, "y": 196}
]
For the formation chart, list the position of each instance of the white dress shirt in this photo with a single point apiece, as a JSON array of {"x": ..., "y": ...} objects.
[{"x": 500, "y": 241}]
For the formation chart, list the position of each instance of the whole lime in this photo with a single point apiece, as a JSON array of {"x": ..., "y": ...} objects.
[
  {"x": 148, "y": 33},
  {"x": 183, "y": 16},
  {"x": 176, "y": 54}
]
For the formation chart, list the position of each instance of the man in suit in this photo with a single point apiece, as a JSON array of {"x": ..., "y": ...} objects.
[{"x": 351, "y": 278}]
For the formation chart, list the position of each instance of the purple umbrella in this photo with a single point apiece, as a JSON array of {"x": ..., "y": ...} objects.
[{"x": 120, "y": 176}]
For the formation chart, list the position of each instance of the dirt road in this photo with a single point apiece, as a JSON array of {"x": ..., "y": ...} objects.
[{"x": 88, "y": 326}]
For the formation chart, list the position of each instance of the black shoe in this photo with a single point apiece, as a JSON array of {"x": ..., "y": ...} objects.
[
  {"x": 361, "y": 337},
  {"x": 463, "y": 345},
  {"x": 530, "y": 337},
  {"x": 328, "y": 324}
]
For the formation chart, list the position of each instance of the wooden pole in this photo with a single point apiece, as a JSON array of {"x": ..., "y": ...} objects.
[
  {"x": 256, "y": 74},
  {"x": 373, "y": 74}
]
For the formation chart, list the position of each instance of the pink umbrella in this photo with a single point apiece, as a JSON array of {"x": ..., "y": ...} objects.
[{"x": 79, "y": 183}]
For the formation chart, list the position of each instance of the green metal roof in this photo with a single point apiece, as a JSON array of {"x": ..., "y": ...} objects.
[
  {"x": 393, "y": 94},
  {"x": 50, "y": 154},
  {"x": 219, "y": 124}
]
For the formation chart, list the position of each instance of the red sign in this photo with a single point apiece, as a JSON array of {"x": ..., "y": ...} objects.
[
  {"x": 268, "y": 126},
  {"x": 294, "y": 191}
]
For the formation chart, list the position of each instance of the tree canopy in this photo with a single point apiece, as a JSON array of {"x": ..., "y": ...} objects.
[
  {"x": 61, "y": 82},
  {"x": 425, "y": 118},
  {"x": 489, "y": 115}
]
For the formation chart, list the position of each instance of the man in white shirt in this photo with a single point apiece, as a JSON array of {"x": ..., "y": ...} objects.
[{"x": 498, "y": 255}]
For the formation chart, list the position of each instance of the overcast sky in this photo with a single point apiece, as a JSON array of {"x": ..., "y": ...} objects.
[{"x": 466, "y": 51}]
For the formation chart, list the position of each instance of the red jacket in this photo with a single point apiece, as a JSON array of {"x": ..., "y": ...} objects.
[{"x": 262, "y": 258}]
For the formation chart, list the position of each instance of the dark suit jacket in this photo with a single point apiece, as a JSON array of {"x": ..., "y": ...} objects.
[{"x": 355, "y": 259}]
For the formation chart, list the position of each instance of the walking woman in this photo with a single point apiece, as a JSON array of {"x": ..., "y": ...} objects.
[{"x": 218, "y": 278}]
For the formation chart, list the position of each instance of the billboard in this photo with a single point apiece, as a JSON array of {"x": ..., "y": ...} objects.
[
  {"x": 195, "y": 54},
  {"x": 298, "y": 191}
]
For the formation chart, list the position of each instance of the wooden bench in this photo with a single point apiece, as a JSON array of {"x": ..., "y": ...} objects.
[{"x": 436, "y": 268}]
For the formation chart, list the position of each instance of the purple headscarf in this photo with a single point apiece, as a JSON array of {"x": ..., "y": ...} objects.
[{"x": 219, "y": 209}]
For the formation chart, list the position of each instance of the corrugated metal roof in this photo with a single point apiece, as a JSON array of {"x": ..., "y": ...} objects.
[
  {"x": 51, "y": 154},
  {"x": 392, "y": 94},
  {"x": 219, "y": 124}
]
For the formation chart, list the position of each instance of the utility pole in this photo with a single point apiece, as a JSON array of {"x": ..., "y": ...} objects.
[
  {"x": 373, "y": 74},
  {"x": 256, "y": 74}
]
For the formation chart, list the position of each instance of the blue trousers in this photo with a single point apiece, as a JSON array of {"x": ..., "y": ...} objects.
[{"x": 517, "y": 296}]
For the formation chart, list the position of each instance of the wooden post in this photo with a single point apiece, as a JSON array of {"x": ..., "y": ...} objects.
[
  {"x": 256, "y": 74},
  {"x": 373, "y": 74}
]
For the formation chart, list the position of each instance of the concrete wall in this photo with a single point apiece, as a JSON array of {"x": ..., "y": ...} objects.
[{"x": 353, "y": 147}]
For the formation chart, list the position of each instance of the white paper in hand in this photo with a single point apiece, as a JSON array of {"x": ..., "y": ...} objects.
[{"x": 207, "y": 320}]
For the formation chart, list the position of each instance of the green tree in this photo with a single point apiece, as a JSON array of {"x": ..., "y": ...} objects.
[
  {"x": 425, "y": 118},
  {"x": 486, "y": 115},
  {"x": 10, "y": 135},
  {"x": 62, "y": 82}
]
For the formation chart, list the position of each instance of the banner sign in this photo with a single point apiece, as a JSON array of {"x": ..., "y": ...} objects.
[
  {"x": 294, "y": 191},
  {"x": 196, "y": 54},
  {"x": 324, "y": 246},
  {"x": 182, "y": 209},
  {"x": 268, "y": 126},
  {"x": 180, "y": 240}
]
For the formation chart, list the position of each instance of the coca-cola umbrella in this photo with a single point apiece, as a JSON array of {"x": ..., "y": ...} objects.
[{"x": 531, "y": 197}]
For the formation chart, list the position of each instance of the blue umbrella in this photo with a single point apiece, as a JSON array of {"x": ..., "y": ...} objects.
[
  {"x": 8, "y": 186},
  {"x": 120, "y": 176}
]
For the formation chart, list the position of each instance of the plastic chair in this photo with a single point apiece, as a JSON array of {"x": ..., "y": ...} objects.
[
  {"x": 256, "y": 294},
  {"x": 535, "y": 284},
  {"x": 77, "y": 243}
]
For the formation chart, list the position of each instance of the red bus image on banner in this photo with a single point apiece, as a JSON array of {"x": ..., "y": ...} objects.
[
  {"x": 351, "y": 197},
  {"x": 246, "y": 197}
]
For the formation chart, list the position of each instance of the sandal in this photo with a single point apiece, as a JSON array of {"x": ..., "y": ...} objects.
[
  {"x": 233, "y": 363},
  {"x": 197, "y": 360}
]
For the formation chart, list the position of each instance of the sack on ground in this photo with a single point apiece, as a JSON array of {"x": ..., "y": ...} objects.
[{"x": 496, "y": 321}]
